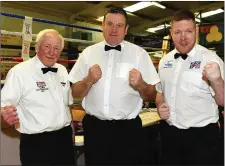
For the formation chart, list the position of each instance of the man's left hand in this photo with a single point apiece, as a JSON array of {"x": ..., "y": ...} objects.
[
  {"x": 135, "y": 79},
  {"x": 212, "y": 71}
]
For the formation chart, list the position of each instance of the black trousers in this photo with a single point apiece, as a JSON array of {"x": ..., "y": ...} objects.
[
  {"x": 116, "y": 142},
  {"x": 48, "y": 148},
  {"x": 193, "y": 146},
  {"x": 221, "y": 144}
]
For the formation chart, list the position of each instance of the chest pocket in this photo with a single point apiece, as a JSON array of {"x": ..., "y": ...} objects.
[
  {"x": 123, "y": 69},
  {"x": 193, "y": 84}
]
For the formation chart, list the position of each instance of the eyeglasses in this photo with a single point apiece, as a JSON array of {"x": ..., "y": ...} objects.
[
  {"x": 117, "y": 26},
  {"x": 186, "y": 33}
]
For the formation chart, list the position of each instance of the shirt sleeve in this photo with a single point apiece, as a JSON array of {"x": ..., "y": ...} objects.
[
  {"x": 147, "y": 69},
  {"x": 221, "y": 65},
  {"x": 78, "y": 71},
  {"x": 220, "y": 62},
  {"x": 12, "y": 90}
]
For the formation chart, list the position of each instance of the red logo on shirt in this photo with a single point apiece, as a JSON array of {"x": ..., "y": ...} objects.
[{"x": 41, "y": 86}]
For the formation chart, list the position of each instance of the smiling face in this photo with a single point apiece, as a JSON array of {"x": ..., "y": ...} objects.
[
  {"x": 114, "y": 28},
  {"x": 49, "y": 48},
  {"x": 184, "y": 35}
]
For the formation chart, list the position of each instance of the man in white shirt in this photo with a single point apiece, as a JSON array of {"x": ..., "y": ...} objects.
[
  {"x": 113, "y": 78},
  {"x": 36, "y": 98},
  {"x": 191, "y": 89}
]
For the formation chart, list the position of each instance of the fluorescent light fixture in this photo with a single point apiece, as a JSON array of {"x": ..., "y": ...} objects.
[
  {"x": 131, "y": 14},
  {"x": 136, "y": 7},
  {"x": 142, "y": 5},
  {"x": 213, "y": 12},
  {"x": 100, "y": 18},
  {"x": 158, "y": 5},
  {"x": 152, "y": 30},
  {"x": 210, "y": 13},
  {"x": 197, "y": 20}
]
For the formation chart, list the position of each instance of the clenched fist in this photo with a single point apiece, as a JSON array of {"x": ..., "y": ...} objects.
[
  {"x": 135, "y": 79},
  {"x": 163, "y": 111},
  {"x": 212, "y": 71},
  {"x": 9, "y": 114},
  {"x": 94, "y": 74}
]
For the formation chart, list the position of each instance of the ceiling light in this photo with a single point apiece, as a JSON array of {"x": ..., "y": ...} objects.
[
  {"x": 158, "y": 5},
  {"x": 152, "y": 30},
  {"x": 131, "y": 14},
  {"x": 197, "y": 20},
  {"x": 100, "y": 18},
  {"x": 142, "y": 5},
  {"x": 137, "y": 6},
  {"x": 210, "y": 13}
]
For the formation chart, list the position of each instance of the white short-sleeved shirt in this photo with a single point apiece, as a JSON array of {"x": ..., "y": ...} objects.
[
  {"x": 112, "y": 97},
  {"x": 41, "y": 100},
  {"x": 190, "y": 98}
]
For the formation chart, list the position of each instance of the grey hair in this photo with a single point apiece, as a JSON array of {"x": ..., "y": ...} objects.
[{"x": 43, "y": 32}]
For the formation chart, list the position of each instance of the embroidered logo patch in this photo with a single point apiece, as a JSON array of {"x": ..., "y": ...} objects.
[
  {"x": 63, "y": 83},
  {"x": 41, "y": 86},
  {"x": 195, "y": 64},
  {"x": 168, "y": 64}
]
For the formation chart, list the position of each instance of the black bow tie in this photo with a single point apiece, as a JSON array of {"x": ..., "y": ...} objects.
[
  {"x": 118, "y": 48},
  {"x": 47, "y": 69},
  {"x": 183, "y": 56}
]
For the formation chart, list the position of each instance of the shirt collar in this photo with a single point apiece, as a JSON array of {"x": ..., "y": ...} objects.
[
  {"x": 190, "y": 53},
  {"x": 121, "y": 43}
]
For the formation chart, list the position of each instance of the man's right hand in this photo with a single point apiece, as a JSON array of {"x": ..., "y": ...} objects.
[
  {"x": 163, "y": 111},
  {"x": 94, "y": 74},
  {"x": 9, "y": 114}
]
